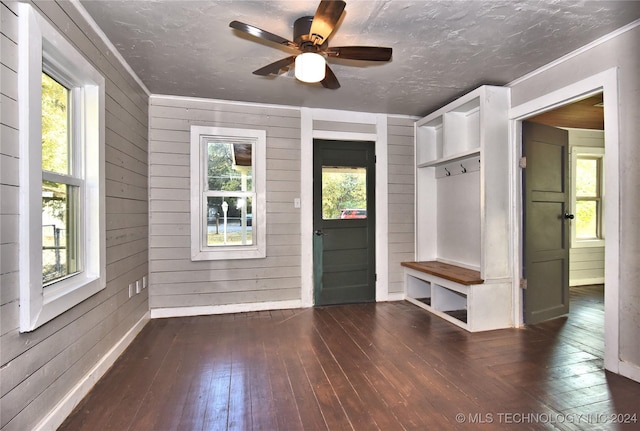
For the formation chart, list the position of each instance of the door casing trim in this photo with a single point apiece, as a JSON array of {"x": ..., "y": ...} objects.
[
  {"x": 606, "y": 82},
  {"x": 379, "y": 137}
]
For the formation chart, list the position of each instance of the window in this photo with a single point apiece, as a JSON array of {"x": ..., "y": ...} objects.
[
  {"x": 61, "y": 185},
  {"x": 344, "y": 192},
  {"x": 62, "y": 152},
  {"x": 228, "y": 216},
  {"x": 587, "y": 197}
]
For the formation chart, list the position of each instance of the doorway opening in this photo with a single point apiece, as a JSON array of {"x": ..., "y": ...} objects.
[
  {"x": 583, "y": 221},
  {"x": 605, "y": 82}
]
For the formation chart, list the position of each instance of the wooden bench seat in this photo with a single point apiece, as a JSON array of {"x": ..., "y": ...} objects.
[
  {"x": 449, "y": 272},
  {"x": 458, "y": 295}
]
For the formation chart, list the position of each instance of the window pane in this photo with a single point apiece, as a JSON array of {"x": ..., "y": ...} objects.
[
  {"x": 229, "y": 166},
  {"x": 587, "y": 177},
  {"x": 229, "y": 221},
  {"x": 55, "y": 126},
  {"x": 344, "y": 192},
  {"x": 586, "y": 220},
  {"x": 59, "y": 231}
]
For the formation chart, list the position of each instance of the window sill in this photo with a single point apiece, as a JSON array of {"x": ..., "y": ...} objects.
[
  {"x": 228, "y": 253},
  {"x": 588, "y": 243},
  {"x": 60, "y": 297}
]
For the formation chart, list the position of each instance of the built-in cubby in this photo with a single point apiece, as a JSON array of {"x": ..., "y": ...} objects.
[
  {"x": 450, "y": 136},
  {"x": 462, "y": 209}
]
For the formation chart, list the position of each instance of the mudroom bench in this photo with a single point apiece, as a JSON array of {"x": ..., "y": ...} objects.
[{"x": 454, "y": 293}]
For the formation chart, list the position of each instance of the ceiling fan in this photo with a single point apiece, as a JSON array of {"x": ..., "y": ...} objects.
[{"x": 310, "y": 37}]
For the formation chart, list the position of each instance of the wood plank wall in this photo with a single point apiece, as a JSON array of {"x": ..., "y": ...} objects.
[
  {"x": 175, "y": 280},
  {"x": 401, "y": 178},
  {"x": 38, "y": 369}
]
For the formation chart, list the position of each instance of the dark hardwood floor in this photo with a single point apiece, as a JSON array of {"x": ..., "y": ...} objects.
[{"x": 386, "y": 366}]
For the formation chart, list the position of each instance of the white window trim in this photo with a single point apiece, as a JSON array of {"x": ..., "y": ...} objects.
[
  {"x": 595, "y": 152},
  {"x": 199, "y": 248},
  {"x": 38, "y": 39}
]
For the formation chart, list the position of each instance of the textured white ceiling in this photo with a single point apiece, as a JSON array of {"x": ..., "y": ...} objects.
[{"x": 441, "y": 49}]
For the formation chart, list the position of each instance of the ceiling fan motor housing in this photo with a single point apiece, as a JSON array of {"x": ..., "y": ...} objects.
[{"x": 301, "y": 28}]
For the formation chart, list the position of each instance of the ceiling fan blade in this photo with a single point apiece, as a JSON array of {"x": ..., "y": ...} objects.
[
  {"x": 262, "y": 34},
  {"x": 275, "y": 66},
  {"x": 368, "y": 53},
  {"x": 325, "y": 20},
  {"x": 330, "y": 81}
]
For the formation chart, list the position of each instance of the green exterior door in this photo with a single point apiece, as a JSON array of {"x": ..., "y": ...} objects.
[
  {"x": 343, "y": 222},
  {"x": 546, "y": 224}
]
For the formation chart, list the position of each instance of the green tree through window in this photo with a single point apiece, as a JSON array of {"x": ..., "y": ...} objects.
[{"x": 342, "y": 189}]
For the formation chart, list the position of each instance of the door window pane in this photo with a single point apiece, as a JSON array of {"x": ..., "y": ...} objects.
[
  {"x": 344, "y": 192},
  {"x": 55, "y": 126}
]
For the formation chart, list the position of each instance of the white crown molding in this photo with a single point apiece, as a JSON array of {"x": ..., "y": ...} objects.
[
  {"x": 404, "y": 117},
  {"x": 222, "y": 101}
]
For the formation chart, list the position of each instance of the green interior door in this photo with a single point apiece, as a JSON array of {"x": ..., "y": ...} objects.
[
  {"x": 343, "y": 222},
  {"x": 546, "y": 227}
]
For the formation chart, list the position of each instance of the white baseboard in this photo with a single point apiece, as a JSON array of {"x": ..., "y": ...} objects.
[
  {"x": 399, "y": 296},
  {"x": 629, "y": 370},
  {"x": 59, "y": 413},
  {"x": 159, "y": 313},
  {"x": 586, "y": 281}
]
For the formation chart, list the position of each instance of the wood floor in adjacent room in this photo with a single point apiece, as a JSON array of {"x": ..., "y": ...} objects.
[{"x": 385, "y": 366}]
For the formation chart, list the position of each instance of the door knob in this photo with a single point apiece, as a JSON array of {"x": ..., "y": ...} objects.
[
  {"x": 318, "y": 232},
  {"x": 569, "y": 216}
]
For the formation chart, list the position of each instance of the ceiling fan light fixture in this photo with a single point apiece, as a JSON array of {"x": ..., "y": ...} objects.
[
  {"x": 310, "y": 39},
  {"x": 310, "y": 67}
]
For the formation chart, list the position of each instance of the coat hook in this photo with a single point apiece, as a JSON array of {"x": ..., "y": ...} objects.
[
  {"x": 464, "y": 170},
  {"x": 447, "y": 172}
]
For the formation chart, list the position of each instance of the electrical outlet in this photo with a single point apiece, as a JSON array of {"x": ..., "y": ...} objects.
[
  {"x": 138, "y": 286},
  {"x": 131, "y": 290}
]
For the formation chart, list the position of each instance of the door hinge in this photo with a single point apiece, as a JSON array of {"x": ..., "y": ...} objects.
[
  {"x": 375, "y": 277},
  {"x": 523, "y": 162},
  {"x": 523, "y": 283},
  {"x": 375, "y": 159}
]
